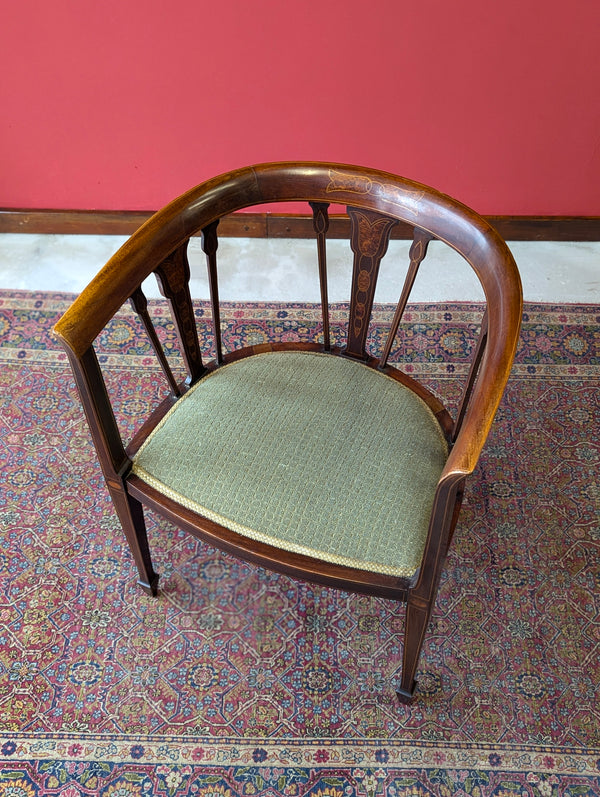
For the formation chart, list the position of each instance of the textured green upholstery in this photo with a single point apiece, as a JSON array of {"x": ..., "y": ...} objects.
[{"x": 309, "y": 452}]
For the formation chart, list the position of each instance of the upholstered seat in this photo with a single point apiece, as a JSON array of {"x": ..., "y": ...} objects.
[
  {"x": 325, "y": 462},
  {"x": 304, "y": 451}
]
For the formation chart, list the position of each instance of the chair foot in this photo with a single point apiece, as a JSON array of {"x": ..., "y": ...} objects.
[
  {"x": 131, "y": 515},
  {"x": 151, "y": 587},
  {"x": 405, "y": 697}
]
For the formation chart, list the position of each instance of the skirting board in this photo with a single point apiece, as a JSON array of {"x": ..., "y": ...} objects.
[{"x": 276, "y": 225}]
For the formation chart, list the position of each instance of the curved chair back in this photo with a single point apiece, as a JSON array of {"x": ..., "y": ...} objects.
[{"x": 377, "y": 201}]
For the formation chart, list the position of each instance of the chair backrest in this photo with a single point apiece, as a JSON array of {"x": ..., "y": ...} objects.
[{"x": 376, "y": 202}]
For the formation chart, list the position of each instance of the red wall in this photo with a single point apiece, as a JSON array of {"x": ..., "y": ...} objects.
[{"x": 123, "y": 104}]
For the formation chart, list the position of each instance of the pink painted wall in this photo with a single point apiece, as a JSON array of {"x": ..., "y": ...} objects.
[{"x": 123, "y": 104}]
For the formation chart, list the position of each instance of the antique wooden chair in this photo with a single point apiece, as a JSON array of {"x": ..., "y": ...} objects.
[{"x": 321, "y": 462}]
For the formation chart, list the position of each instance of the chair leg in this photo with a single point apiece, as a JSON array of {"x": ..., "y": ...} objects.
[
  {"x": 131, "y": 515},
  {"x": 417, "y": 618}
]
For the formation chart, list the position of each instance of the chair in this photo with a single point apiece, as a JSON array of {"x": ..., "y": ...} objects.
[{"x": 322, "y": 462}]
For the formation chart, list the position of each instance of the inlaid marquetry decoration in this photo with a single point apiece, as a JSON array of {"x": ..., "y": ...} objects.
[
  {"x": 407, "y": 198},
  {"x": 370, "y": 238},
  {"x": 173, "y": 276},
  {"x": 210, "y": 244},
  {"x": 320, "y": 226},
  {"x": 284, "y": 437}
]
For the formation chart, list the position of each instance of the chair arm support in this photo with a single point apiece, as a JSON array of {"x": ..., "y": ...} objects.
[{"x": 99, "y": 413}]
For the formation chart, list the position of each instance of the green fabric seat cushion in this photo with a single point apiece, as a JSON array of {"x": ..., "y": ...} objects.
[{"x": 309, "y": 452}]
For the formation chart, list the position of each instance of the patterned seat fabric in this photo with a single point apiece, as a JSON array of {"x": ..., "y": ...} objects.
[{"x": 305, "y": 451}]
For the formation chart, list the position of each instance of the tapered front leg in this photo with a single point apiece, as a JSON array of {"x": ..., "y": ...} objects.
[
  {"x": 131, "y": 515},
  {"x": 417, "y": 619}
]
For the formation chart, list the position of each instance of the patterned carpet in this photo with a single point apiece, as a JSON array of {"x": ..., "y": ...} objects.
[{"x": 237, "y": 681}]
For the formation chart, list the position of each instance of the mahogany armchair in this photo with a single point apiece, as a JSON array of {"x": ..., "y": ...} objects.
[{"x": 326, "y": 463}]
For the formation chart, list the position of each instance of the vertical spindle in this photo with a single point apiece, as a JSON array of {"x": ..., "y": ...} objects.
[
  {"x": 210, "y": 243},
  {"x": 321, "y": 225},
  {"x": 473, "y": 371},
  {"x": 417, "y": 253},
  {"x": 140, "y": 304}
]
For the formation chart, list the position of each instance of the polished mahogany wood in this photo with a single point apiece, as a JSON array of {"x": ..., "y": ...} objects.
[
  {"x": 321, "y": 226},
  {"x": 416, "y": 255},
  {"x": 210, "y": 243},
  {"x": 173, "y": 276},
  {"x": 369, "y": 240},
  {"x": 139, "y": 303},
  {"x": 377, "y": 204},
  {"x": 473, "y": 372}
]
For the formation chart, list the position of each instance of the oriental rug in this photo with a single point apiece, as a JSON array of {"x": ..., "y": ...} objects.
[{"x": 236, "y": 681}]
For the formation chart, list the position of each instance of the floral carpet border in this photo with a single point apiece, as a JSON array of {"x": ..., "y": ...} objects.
[
  {"x": 539, "y": 324},
  {"x": 534, "y": 313},
  {"x": 178, "y": 751}
]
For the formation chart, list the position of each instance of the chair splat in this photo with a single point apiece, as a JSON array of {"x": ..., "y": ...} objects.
[
  {"x": 370, "y": 238},
  {"x": 173, "y": 276},
  {"x": 265, "y": 413}
]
